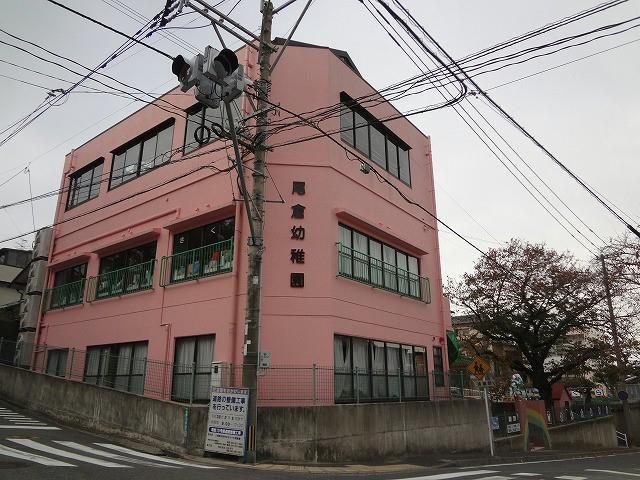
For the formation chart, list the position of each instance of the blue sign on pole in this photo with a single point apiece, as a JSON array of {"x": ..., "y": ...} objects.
[{"x": 622, "y": 395}]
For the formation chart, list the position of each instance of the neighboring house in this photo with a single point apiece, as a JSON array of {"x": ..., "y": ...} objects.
[
  {"x": 351, "y": 272},
  {"x": 13, "y": 278}
]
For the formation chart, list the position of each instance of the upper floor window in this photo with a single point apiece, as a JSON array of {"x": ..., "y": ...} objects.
[
  {"x": 203, "y": 251},
  {"x": 363, "y": 131},
  {"x": 124, "y": 272},
  {"x": 370, "y": 261},
  {"x": 85, "y": 183},
  {"x": 215, "y": 120},
  {"x": 68, "y": 288},
  {"x": 143, "y": 154}
]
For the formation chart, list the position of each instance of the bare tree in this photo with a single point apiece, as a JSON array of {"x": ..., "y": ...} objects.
[{"x": 538, "y": 301}]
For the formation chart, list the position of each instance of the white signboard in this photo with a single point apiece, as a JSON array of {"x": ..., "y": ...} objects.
[
  {"x": 227, "y": 425},
  {"x": 513, "y": 428}
]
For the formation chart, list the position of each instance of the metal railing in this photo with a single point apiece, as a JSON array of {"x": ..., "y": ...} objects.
[
  {"x": 372, "y": 271},
  {"x": 121, "y": 282},
  {"x": 200, "y": 262},
  {"x": 622, "y": 439},
  {"x": 452, "y": 385},
  {"x": 278, "y": 385},
  {"x": 577, "y": 413},
  {"x": 64, "y": 295}
]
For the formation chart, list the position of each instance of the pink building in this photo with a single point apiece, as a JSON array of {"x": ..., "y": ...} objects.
[{"x": 148, "y": 258}]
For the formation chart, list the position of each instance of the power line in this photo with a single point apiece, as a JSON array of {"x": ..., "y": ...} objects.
[
  {"x": 129, "y": 37},
  {"x": 516, "y": 124}
]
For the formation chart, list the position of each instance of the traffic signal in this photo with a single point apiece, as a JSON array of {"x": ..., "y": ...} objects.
[{"x": 189, "y": 72}]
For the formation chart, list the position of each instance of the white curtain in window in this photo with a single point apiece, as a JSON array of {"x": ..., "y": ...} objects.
[
  {"x": 123, "y": 367},
  {"x": 361, "y": 363},
  {"x": 393, "y": 367},
  {"x": 342, "y": 368},
  {"x": 379, "y": 378}
]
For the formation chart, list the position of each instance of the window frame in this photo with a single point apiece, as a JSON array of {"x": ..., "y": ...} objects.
[
  {"x": 351, "y": 105},
  {"x": 438, "y": 367},
  {"x": 106, "y": 373},
  {"x": 380, "y": 275},
  {"x": 196, "y": 108},
  {"x": 201, "y": 370},
  {"x": 408, "y": 375},
  {"x": 75, "y": 177},
  {"x": 139, "y": 141}
]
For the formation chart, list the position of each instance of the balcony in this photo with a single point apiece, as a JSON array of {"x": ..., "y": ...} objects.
[
  {"x": 206, "y": 261},
  {"x": 378, "y": 274},
  {"x": 64, "y": 295},
  {"x": 121, "y": 282}
]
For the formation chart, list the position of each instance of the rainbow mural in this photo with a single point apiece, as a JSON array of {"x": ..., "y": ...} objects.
[{"x": 535, "y": 427}]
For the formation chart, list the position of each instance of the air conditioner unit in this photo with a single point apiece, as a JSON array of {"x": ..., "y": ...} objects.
[
  {"x": 29, "y": 312},
  {"x": 42, "y": 243},
  {"x": 36, "y": 277}
]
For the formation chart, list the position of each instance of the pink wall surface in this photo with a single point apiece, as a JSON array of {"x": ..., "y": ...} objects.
[{"x": 298, "y": 324}]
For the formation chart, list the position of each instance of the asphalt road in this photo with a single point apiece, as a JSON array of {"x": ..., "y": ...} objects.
[{"x": 34, "y": 448}]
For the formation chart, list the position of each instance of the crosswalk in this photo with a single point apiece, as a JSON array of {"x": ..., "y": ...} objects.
[
  {"x": 589, "y": 473},
  {"x": 62, "y": 453},
  {"x": 17, "y": 421}
]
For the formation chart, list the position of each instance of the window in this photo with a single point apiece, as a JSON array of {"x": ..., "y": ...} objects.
[
  {"x": 370, "y": 261},
  {"x": 126, "y": 272},
  {"x": 68, "y": 287},
  {"x": 57, "y": 362},
  {"x": 121, "y": 366},
  {"x": 14, "y": 258},
  {"x": 85, "y": 184},
  {"x": 192, "y": 368},
  {"x": 203, "y": 251},
  {"x": 438, "y": 367},
  {"x": 143, "y": 154},
  {"x": 214, "y": 120},
  {"x": 374, "y": 370},
  {"x": 363, "y": 131}
]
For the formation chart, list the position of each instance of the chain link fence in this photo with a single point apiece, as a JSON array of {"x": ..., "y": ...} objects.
[{"x": 278, "y": 385}]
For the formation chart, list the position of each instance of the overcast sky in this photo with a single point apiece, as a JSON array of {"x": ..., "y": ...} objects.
[{"x": 587, "y": 112}]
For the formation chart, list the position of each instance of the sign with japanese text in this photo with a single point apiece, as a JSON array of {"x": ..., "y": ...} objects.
[{"x": 227, "y": 424}]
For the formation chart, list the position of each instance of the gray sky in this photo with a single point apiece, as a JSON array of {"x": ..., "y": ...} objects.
[{"x": 585, "y": 112}]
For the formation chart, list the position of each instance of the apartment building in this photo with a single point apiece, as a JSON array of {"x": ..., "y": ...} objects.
[{"x": 148, "y": 255}]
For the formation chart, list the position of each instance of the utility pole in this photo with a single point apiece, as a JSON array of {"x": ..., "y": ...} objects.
[
  {"x": 616, "y": 346},
  {"x": 256, "y": 245}
]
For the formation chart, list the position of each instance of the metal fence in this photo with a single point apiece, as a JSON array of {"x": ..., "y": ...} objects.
[
  {"x": 278, "y": 385},
  {"x": 577, "y": 412}
]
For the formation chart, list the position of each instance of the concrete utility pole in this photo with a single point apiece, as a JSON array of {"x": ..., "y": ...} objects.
[
  {"x": 616, "y": 346},
  {"x": 256, "y": 245}
]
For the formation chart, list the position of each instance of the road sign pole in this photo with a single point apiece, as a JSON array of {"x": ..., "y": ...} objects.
[{"x": 488, "y": 410}]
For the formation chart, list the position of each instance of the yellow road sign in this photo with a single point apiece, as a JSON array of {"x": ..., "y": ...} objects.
[{"x": 479, "y": 367}]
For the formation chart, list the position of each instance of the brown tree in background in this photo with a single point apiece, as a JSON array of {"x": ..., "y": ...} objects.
[{"x": 542, "y": 303}]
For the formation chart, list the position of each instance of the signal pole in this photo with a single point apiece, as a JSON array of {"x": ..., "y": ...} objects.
[
  {"x": 256, "y": 244},
  {"x": 616, "y": 346}
]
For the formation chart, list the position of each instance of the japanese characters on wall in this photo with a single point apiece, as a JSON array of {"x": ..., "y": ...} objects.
[{"x": 297, "y": 234}]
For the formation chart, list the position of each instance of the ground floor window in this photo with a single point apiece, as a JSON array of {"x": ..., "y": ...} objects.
[
  {"x": 121, "y": 366},
  {"x": 374, "y": 370},
  {"x": 438, "y": 367},
  {"x": 192, "y": 368},
  {"x": 57, "y": 362}
]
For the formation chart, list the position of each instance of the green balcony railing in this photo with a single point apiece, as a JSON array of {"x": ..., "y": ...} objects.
[
  {"x": 121, "y": 282},
  {"x": 372, "y": 271},
  {"x": 200, "y": 262},
  {"x": 64, "y": 295}
]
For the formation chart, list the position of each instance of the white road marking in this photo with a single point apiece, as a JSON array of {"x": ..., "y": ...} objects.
[
  {"x": 495, "y": 477},
  {"x": 613, "y": 471},
  {"x": 526, "y": 474},
  {"x": 569, "y": 477},
  {"x": 445, "y": 476},
  {"x": 61, "y": 453},
  {"x": 7, "y": 415},
  {"x": 170, "y": 460},
  {"x": 28, "y": 427},
  {"x": 114, "y": 456},
  {"x": 571, "y": 459},
  {"x": 50, "y": 462}
]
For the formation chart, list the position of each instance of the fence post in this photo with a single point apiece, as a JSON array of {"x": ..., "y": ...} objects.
[
  {"x": 44, "y": 360},
  {"x": 144, "y": 374},
  {"x": 73, "y": 351},
  {"x": 357, "y": 386},
  {"x": 1, "y": 342},
  {"x": 193, "y": 382},
  {"x": 399, "y": 385},
  {"x": 230, "y": 384},
  {"x": 462, "y": 382},
  {"x": 315, "y": 394}
]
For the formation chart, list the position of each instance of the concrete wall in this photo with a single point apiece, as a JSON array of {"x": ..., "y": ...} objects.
[
  {"x": 340, "y": 433},
  {"x": 335, "y": 433},
  {"x": 593, "y": 434}
]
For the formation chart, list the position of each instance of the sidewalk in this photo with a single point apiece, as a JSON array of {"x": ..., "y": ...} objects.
[{"x": 416, "y": 464}]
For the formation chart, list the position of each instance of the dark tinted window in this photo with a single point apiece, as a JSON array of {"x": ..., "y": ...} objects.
[{"x": 85, "y": 184}]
